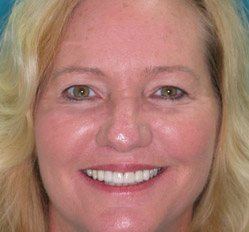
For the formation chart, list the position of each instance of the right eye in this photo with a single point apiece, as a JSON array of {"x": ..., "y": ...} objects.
[{"x": 78, "y": 93}]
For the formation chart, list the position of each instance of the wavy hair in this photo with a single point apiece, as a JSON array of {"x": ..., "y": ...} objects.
[{"x": 27, "y": 49}]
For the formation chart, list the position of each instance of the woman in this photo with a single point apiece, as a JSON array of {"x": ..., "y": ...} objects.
[{"x": 124, "y": 116}]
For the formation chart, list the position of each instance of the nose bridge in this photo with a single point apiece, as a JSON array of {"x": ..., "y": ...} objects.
[
  {"x": 124, "y": 130},
  {"x": 126, "y": 111}
]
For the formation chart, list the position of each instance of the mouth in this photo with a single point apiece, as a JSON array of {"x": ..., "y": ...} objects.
[{"x": 122, "y": 178}]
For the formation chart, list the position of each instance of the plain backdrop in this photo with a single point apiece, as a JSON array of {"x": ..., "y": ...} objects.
[{"x": 5, "y": 8}]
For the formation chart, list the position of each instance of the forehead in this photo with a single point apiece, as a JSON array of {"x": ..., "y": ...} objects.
[{"x": 156, "y": 29}]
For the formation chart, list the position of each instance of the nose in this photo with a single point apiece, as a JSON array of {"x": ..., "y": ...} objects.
[{"x": 124, "y": 129}]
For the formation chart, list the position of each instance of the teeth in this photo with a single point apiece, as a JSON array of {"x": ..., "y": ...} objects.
[
  {"x": 95, "y": 174},
  {"x": 146, "y": 174},
  {"x": 117, "y": 178},
  {"x": 139, "y": 176},
  {"x": 89, "y": 172},
  {"x": 129, "y": 178},
  {"x": 101, "y": 175},
  {"x": 108, "y": 177},
  {"x": 120, "y": 178},
  {"x": 153, "y": 172}
]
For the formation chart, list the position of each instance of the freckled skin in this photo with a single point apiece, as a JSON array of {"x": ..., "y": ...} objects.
[{"x": 125, "y": 123}]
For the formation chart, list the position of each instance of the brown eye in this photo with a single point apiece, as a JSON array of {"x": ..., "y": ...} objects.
[
  {"x": 170, "y": 93},
  {"x": 79, "y": 92}
]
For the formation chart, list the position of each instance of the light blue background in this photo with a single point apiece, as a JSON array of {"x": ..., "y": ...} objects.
[{"x": 5, "y": 7}]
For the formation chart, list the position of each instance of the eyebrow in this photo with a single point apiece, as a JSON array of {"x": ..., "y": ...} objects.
[
  {"x": 77, "y": 69},
  {"x": 155, "y": 70},
  {"x": 149, "y": 71}
]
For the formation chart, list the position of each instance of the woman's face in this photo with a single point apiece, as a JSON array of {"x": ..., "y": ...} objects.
[{"x": 130, "y": 92}]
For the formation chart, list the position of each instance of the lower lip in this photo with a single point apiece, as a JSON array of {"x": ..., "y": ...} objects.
[{"x": 123, "y": 189}]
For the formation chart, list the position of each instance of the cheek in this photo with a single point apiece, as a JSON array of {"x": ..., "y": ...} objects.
[
  {"x": 188, "y": 137},
  {"x": 186, "y": 140},
  {"x": 58, "y": 135}
]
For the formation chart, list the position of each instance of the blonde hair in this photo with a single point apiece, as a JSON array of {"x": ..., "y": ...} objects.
[{"x": 27, "y": 50}]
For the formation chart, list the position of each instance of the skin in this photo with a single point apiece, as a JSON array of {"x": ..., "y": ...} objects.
[{"x": 127, "y": 121}]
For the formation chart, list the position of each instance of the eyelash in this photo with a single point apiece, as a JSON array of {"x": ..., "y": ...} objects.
[
  {"x": 70, "y": 96},
  {"x": 180, "y": 93}
]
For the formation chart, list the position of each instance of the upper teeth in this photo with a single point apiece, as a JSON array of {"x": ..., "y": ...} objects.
[{"x": 122, "y": 178}]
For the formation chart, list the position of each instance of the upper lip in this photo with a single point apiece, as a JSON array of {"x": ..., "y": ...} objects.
[{"x": 123, "y": 167}]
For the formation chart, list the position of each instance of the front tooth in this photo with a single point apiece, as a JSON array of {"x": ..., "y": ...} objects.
[
  {"x": 146, "y": 175},
  {"x": 118, "y": 178},
  {"x": 101, "y": 175},
  {"x": 139, "y": 176},
  {"x": 129, "y": 178},
  {"x": 108, "y": 176}
]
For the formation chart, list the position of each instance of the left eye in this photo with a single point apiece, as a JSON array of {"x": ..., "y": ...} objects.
[
  {"x": 170, "y": 93},
  {"x": 78, "y": 92}
]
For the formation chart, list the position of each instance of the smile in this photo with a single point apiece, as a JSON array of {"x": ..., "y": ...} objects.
[{"x": 122, "y": 178}]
